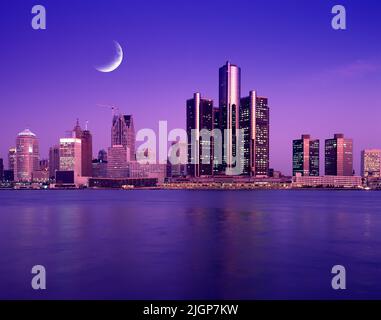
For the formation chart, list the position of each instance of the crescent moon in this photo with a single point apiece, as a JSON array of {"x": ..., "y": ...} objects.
[{"x": 115, "y": 63}]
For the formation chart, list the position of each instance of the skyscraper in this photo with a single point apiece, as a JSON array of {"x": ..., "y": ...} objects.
[
  {"x": 200, "y": 124},
  {"x": 254, "y": 121},
  {"x": 71, "y": 156},
  {"x": 87, "y": 149},
  {"x": 247, "y": 122},
  {"x": 217, "y": 163},
  {"x": 1, "y": 170},
  {"x": 229, "y": 100},
  {"x": 339, "y": 156},
  {"x": 54, "y": 161},
  {"x": 100, "y": 165},
  {"x": 371, "y": 163},
  {"x": 262, "y": 137},
  {"x": 27, "y": 156},
  {"x": 102, "y": 155},
  {"x": 123, "y": 133},
  {"x": 12, "y": 159},
  {"x": 305, "y": 156},
  {"x": 87, "y": 153}
]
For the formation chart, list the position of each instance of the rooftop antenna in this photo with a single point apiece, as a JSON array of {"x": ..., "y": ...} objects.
[
  {"x": 114, "y": 109},
  {"x": 87, "y": 125}
]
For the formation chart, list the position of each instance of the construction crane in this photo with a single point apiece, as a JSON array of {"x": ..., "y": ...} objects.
[{"x": 114, "y": 109}]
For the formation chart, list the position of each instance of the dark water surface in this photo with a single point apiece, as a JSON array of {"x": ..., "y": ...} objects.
[{"x": 190, "y": 244}]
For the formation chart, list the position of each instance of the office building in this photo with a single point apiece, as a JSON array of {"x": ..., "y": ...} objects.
[
  {"x": 371, "y": 163},
  {"x": 200, "y": 126},
  {"x": 347, "y": 182},
  {"x": 118, "y": 158},
  {"x": 27, "y": 156},
  {"x": 102, "y": 155},
  {"x": 149, "y": 170},
  {"x": 87, "y": 153},
  {"x": 12, "y": 159},
  {"x": 229, "y": 101},
  {"x": 54, "y": 161},
  {"x": 86, "y": 149},
  {"x": 71, "y": 156},
  {"x": 1, "y": 170},
  {"x": 254, "y": 121},
  {"x": 178, "y": 153},
  {"x": 100, "y": 165},
  {"x": 247, "y": 123},
  {"x": 123, "y": 133},
  {"x": 305, "y": 156},
  {"x": 339, "y": 156},
  {"x": 262, "y": 137}
]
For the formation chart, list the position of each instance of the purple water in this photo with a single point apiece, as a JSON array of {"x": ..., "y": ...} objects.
[{"x": 190, "y": 244}]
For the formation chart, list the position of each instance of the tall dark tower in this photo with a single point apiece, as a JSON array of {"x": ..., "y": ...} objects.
[
  {"x": 229, "y": 100},
  {"x": 247, "y": 123},
  {"x": 87, "y": 153},
  {"x": 54, "y": 161},
  {"x": 305, "y": 156},
  {"x": 262, "y": 138},
  {"x": 254, "y": 121},
  {"x": 1, "y": 170},
  {"x": 200, "y": 148},
  {"x": 123, "y": 133},
  {"x": 86, "y": 149},
  {"x": 339, "y": 156}
]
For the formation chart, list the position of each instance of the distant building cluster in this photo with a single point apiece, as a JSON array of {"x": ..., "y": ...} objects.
[
  {"x": 338, "y": 164},
  {"x": 71, "y": 162},
  {"x": 338, "y": 160}
]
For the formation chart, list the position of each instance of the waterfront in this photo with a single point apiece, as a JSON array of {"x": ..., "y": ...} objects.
[{"x": 179, "y": 244}]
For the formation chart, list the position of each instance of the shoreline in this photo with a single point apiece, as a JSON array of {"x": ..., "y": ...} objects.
[{"x": 191, "y": 189}]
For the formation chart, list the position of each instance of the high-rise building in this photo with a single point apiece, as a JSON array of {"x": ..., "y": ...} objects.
[
  {"x": 123, "y": 133},
  {"x": 1, "y": 170},
  {"x": 71, "y": 156},
  {"x": 254, "y": 122},
  {"x": 27, "y": 156},
  {"x": 247, "y": 123},
  {"x": 102, "y": 155},
  {"x": 262, "y": 137},
  {"x": 179, "y": 152},
  {"x": 87, "y": 149},
  {"x": 100, "y": 165},
  {"x": 118, "y": 158},
  {"x": 217, "y": 160},
  {"x": 305, "y": 156},
  {"x": 339, "y": 156},
  {"x": 54, "y": 161},
  {"x": 371, "y": 163},
  {"x": 229, "y": 101},
  {"x": 199, "y": 132},
  {"x": 12, "y": 159},
  {"x": 87, "y": 153}
]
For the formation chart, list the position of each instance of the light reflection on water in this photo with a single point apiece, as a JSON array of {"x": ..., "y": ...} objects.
[{"x": 190, "y": 244}]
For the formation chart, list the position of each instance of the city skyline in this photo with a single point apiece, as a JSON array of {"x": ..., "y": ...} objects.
[
  {"x": 123, "y": 135},
  {"x": 306, "y": 86}
]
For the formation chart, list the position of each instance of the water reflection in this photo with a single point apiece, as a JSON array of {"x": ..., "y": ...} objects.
[{"x": 190, "y": 245}]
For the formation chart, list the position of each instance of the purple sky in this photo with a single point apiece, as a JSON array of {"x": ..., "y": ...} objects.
[{"x": 318, "y": 80}]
